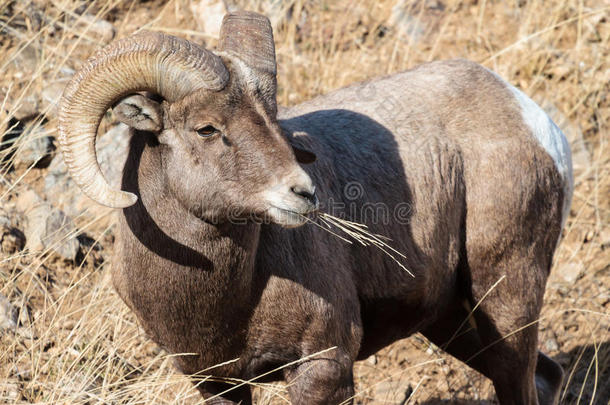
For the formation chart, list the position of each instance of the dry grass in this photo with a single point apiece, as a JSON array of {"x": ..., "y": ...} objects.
[
  {"x": 360, "y": 234},
  {"x": 77, "y": 342}
]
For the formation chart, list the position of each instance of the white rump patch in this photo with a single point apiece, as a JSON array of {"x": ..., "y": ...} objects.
[
  {"x": 552, "y": 140},
  {"x": 548, "y": 134}
]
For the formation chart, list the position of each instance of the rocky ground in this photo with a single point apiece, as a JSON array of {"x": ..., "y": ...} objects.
[{"x": 65, "y": 336}]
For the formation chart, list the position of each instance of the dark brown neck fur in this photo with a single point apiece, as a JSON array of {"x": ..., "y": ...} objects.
[{"x": 196, "y": 264}]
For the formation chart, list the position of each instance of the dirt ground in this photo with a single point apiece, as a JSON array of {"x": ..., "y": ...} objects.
[{"x": 66, "y": 337}]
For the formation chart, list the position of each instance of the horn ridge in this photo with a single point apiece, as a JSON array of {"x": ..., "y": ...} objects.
[
  {"x": 169, "y": 66},
  {"x": 249, "y": 36}
]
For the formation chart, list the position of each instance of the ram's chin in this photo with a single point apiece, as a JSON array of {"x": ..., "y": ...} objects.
[{"x": 286, "y": 218}]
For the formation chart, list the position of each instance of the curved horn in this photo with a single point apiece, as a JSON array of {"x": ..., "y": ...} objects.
[
  {"x": 249, "y": 36},
  {"x": 166, "y": 65}
]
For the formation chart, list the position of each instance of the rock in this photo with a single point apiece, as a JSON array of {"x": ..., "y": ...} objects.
[
  {"x": 51, "y": 96},
  {"x": 96, "y": 28},
  {"x": 408, "y": 26},
  {"x": 78, "y": 386},
  {"x": 61, "y": 189},
  {"x": 57, "y": 228},
  {"x": 112, "y": 148},
  {"x": 570, "y": 271},
  {"x": 27, "y": 107},
  {"x": 372, "y": 360},
  {"x": 209, "y": 14},
  {"x": 551, "y": 345},
  {"x": 390, "y": 392},
  {"x": 10, "y": 391},
  {"x": 9, "y": 315},
  {"x": 411, "y": 24},
  {"x": 35, "y": 147},
  {"x": 47, "y": 227},
  {"x": 280, "y": 12},
  {"x": 26, "y": 60}
]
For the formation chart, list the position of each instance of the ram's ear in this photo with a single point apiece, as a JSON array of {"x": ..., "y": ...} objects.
[
  {"x": 140, "y": 112},
  {"x": 304, "y": 156}
]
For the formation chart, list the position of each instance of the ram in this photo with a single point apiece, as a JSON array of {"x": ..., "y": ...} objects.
[{"x": 210, "y": 254}]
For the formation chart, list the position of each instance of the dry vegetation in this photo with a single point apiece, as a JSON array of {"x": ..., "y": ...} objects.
[{"x": 73, "y": 341}]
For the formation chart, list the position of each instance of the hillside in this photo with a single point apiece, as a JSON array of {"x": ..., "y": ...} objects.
[{"x": 67, "y": 338}]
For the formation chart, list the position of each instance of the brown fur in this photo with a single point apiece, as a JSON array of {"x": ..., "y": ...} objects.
[{"x": 447, "y": 138}]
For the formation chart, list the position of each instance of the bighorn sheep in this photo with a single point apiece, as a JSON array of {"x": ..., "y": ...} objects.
[{"x": 486, "y": 174}]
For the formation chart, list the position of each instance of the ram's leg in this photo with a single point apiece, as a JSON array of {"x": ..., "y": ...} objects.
[
  {"x": 210, "y": 390},
  {"x": 458, "y": 336},
  {"x": 507, "y": 322},
  {"x": 455, "y": 333},
  {"x": 321, "y": 381}
]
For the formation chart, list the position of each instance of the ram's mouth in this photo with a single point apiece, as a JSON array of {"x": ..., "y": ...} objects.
[
  {"x": 289, "y": 206},
  {"x": 289, "y": 218}
]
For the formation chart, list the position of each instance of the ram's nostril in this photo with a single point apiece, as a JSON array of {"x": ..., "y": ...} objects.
[{"x": 308, "y": 194}]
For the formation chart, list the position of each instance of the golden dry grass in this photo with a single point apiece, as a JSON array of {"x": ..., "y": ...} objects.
[{"x": 78, "y": 343}]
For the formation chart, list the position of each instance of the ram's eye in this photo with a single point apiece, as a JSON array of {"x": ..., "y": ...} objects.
[{"x": 207, "y": 131}]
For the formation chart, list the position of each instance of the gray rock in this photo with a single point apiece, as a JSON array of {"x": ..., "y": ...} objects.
[
  {"x": 47, "y": 227},
  {"x": 77, "y": 386},
  {"x": 35, "y": 146},
  {"x": 51, "y": 95},
  {"x": 27, "y": 107},
  {"x": 281, "y": 12},
  {"x": 551, "y": 345},
  {"x": 5, "y": 221},
  {"x": 209, "y": 14},
  {"x": 411, "y": 22},
  {"x": 408, "y": 26},
  {"x": 26, "y": 60},
  {"x": 112, "y": 148},
  {"x": 59, "y": 187},
  {"x": 571, "y": 271},
  {"x": 9, "y": 315},
  {"x": 390, "y": 392},
  {"x": 10, "y": 391}
]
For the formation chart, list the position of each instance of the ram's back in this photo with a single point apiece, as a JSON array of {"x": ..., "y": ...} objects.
[{"x": 441, "y": 159}]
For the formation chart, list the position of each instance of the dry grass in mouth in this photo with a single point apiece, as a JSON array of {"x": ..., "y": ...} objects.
[
  {"x": 75, "y": 342},
  {"x": 360, "y": 234}
]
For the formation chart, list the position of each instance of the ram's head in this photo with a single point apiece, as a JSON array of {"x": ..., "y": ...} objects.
[{"x": 214, "y": 118}]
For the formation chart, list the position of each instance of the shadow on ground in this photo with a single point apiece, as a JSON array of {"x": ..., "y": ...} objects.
[{"x": 586, "y": 381}]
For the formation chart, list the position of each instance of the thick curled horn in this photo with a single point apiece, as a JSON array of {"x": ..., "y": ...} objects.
[
  {"x": 166, "y": 65},
  {"x": 249, "y": 37}
]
